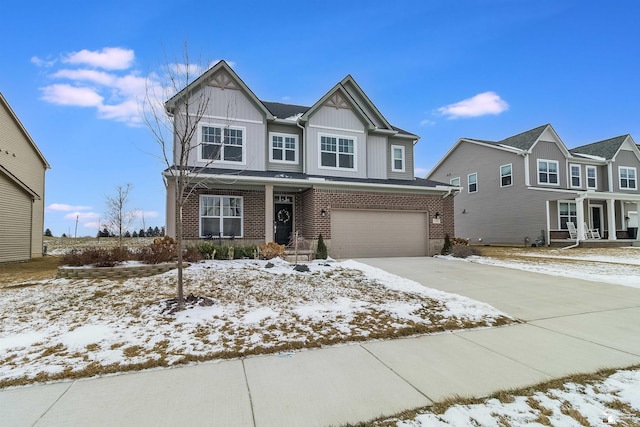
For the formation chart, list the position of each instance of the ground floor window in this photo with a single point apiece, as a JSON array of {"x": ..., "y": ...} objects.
[
  {"x": 567, "y": 213},
  {"x": 220, "y": 214}
]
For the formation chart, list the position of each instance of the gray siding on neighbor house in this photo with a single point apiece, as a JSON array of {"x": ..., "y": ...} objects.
[
  {"x": 336, "y": 122},
  {"x": 288, "y": 130},
  {"x": 546, "y": 150},
  {"x": 377, "y": 157},
  {"x": 628, "y": 159},
  {"x": 15, "y": 221},
  {"x": 408, "y": 160}
]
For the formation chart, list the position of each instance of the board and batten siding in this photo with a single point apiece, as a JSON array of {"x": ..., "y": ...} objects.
[
  {"x": 232, "y": 108},
  {"x": 336, "y": 122},
  {"x": 377, "y": 156},
  {"x": 291, "y": 130},
  {"x": 547, "y": 150},
  {"x": 408, "y": 159},
  {"x": 15, "y": 222}
]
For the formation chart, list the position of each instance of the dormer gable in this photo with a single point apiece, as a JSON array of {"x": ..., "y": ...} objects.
[{"x": 608, "y": 149}]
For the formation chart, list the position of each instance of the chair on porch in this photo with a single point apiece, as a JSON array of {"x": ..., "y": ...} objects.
[
  {"x": 573, "y": 232},
  {"x": 592, "y": 233}
]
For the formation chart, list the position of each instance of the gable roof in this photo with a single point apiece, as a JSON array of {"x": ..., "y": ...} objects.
[
  {"x": 24, "y": 131},
  {"x": 524, "y": 140},
  {"x": 606, "y": 149},
  {"x": 284, "y": 111}
]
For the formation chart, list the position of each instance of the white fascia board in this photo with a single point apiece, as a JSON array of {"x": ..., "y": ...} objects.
[{"x": 588, "y": 156}]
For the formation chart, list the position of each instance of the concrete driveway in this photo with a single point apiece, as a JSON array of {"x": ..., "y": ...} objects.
[{"x": 571, "y": 326}]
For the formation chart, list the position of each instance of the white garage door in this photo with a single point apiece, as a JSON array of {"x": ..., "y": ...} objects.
[{"x": 363, "y": 234}]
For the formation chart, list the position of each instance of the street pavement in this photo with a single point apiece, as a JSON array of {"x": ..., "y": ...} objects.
[{"x": 568, "y": 326}]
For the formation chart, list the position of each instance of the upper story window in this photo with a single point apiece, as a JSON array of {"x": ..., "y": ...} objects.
[
  {"x": 505, "y": 175},
  {"x": 472, "y": 181},
  {"x": 576, "y": 176},
  {"x": 627, "y": 177},
  {"x": 284, "y": 148},
  {"x": 592, "y": 177},
  {"x": 337, "y": 152},
  {"x": 220, "y": 214},
  {"x": 548, "y": 172},
  {"x": 455, "y": 182},
  {"x": 567, "y": 212},
  {"x": 397, "y": 154},
  {"x": 220, "y": 143}
]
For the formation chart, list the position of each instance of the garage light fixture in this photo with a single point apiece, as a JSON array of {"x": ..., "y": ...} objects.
[{"x": 323, "y": 213}]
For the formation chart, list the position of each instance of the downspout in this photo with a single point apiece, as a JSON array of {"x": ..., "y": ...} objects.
[
  {"x": 304, "y": 144},
  {"x": 575, "y": 245}
]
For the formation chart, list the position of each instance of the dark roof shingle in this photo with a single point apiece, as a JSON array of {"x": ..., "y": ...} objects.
[{"x": 606, "y": 148}]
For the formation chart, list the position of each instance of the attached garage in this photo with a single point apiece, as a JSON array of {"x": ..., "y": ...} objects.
[
  {"x": 15, "y": 221},
  {"x": 378, "y": 233}
]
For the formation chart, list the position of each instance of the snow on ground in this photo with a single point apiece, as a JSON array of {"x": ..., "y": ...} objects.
[
  {"x": 88, "y": 327},
  {"x": 612, "y": 401}
]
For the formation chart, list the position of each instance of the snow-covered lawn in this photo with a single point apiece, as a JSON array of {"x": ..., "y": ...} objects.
[
  {"x": 612, "y": 400},
  {"x": 62, "y": 328}
]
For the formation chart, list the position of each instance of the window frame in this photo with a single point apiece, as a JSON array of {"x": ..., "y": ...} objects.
[
  {"x": 221, "y": 216},
  {"x": 453, "y": 179},
  {"x": 510, "y": 175},
  {"x": 469, "y": 184},
  {"x": 337, "y": 138},
  {"x": 223, "y": 128},
  {"x": 620, "y": 178},
  {"x": 573, "y": 218},
  {"x": 402, "y": 159},
  {"x": 284, "y": 148},
  {"x": 556, "y": 173},
  {"x": 595, "y": 177},
  {"x": 571, "y": 176}
]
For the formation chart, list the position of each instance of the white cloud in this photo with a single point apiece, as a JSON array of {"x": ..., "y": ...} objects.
[
  {"x": 147, "y": 214},
  {"x": 109, "y": 58},
  {"x": 61, "y": 207},
  {"x": 39, "y": 62},
  {"x": 64, "y": 94},
  {"x": 420, "y": 172},
  {"x": 479, "y": 105},
  {"x": 427, "y": 122},
  {"x": 93, "y": 225},
  {"x": 82, "y": 216}
]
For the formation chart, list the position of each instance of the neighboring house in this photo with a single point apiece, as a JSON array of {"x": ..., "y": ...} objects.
[
  {"x": 531, "y": 185},
  {"x": 337, "y": 168},
  {"x": 22, "y": 170}
]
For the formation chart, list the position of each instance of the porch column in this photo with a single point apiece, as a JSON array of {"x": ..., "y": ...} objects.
[
  {"x": 170, "y": 209},
  {"x": 268, "y": 213},
  {"x": 611, "y": 219},
  {"x": 582, "y": 233},
  {"x": 638, "y": 218}
]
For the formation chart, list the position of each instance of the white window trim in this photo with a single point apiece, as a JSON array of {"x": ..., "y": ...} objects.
[
  {"x": 393, "y": 159},
  {"x": 222, "y": 127},
  {"x": 469, "y": 184},
  {"x": 557, "y": 172},
  {"x": 635, "y": 179},
  {"x": 510, "y": 175},
  {"x": 337, "y": 168},
  {"x": 453, "y": 179},
  {"x": 296, "y": 149},
  {"x": 571, "y": 165},
  {"x": 558, "y": 210},
  {"x": 221, "y": 197},
  {"x": 595, "y": 177}
]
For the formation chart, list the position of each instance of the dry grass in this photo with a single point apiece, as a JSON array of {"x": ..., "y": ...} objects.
[{"x": 20, "y": 274}]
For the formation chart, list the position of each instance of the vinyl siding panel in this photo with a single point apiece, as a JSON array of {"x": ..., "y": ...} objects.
[
  {"x": 336, "y": 122},
  {"x": 362, "y": 102},
  {"x": 408, "y": 159},
  {"x": 15, "y": 222},
  {"x": 377, "y": 156},
  {"x": 285, "y": 167},
  {"x": 545, "y": 150},
  {"x": 628, "y": 159}
]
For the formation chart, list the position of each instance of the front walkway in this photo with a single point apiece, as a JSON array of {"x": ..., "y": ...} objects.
[{"x": 572, "y": 326}]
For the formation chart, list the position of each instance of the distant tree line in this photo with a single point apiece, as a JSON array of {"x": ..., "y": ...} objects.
[{"x": 150, "y": 232}]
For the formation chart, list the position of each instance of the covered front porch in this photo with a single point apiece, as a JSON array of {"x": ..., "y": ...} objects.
[{"x": 601, "y": 219}]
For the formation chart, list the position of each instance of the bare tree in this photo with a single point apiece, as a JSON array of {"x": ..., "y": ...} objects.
[
  {"x": 174, "y": 128},
  {"x": 118, "y": 219}
]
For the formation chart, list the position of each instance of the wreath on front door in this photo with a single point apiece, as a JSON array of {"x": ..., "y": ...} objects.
[{"x": 284, "y": 215}]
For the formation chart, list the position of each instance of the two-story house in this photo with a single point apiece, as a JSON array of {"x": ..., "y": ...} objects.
[
  {"x": 337, "y": 168},
  {"x": 22, "y": 173},
  {"x": 531, "y": 185}
]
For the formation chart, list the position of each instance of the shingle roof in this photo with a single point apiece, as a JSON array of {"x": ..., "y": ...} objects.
[
  {"x": 284, "y": 111},
  {"x": 524, "y": 140},
  {"x": 606, "y": 148}
]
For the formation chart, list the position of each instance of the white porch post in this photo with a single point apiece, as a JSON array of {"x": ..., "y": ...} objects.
[
  {"x": 582, "y": 234},
  {"x": 638, "y": 218},
  {"x": 611, "y": 219},
  {"x": 268, "y": 213},
  {"x": 548, "y": 242},
  {"x": 170, "y": 209}
]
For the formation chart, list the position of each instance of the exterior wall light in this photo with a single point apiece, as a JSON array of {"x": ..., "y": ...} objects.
[{"x": 323, "y": 213}]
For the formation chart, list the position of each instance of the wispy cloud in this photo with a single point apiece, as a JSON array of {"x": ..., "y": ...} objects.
[
  {"x": 61, "y": 207},
  {"x": 109, "y": 58},
  {"x": 480, "y": 105},
  {"x": 145, "y": 214},
  {"x": 420, "y": 172},
  {"x": 64, "y": 94},
  {"x": 82, "y": 216},
  {"x": 427, "y": 122}
]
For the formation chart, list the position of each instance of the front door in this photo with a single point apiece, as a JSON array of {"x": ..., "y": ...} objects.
[
  {"x": 596, "y": 216},
  {"x": 284, "y": 222}
]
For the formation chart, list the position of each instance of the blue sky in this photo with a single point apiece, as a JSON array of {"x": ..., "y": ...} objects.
[{"x": 72, "y": 72}]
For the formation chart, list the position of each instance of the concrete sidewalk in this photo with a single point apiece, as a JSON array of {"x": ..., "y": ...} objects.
[{"x": 572, "y": 326}]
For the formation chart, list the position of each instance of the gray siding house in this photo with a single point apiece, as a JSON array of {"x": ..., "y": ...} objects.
[
  {"x": 263, "y": 170},
  {"x": 22, "y": 173},
  {"x": 532, "y": 185}
]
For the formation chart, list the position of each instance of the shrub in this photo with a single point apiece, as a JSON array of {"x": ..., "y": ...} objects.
[
  {"x": 271, "y": 250},
  {"x": 464, "y": 251},
  {"x": 207, "y": 249},
  {"x": 446, "y": 248},
  {"x": 457, "y": 241},
  {"x": 222, "y": 252},
  {"x": 162, "y": 250},
  {"x": 99, "y": 257},
  {"x": 192, "y": 254},
  {"x": 321, "y": 251}
]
